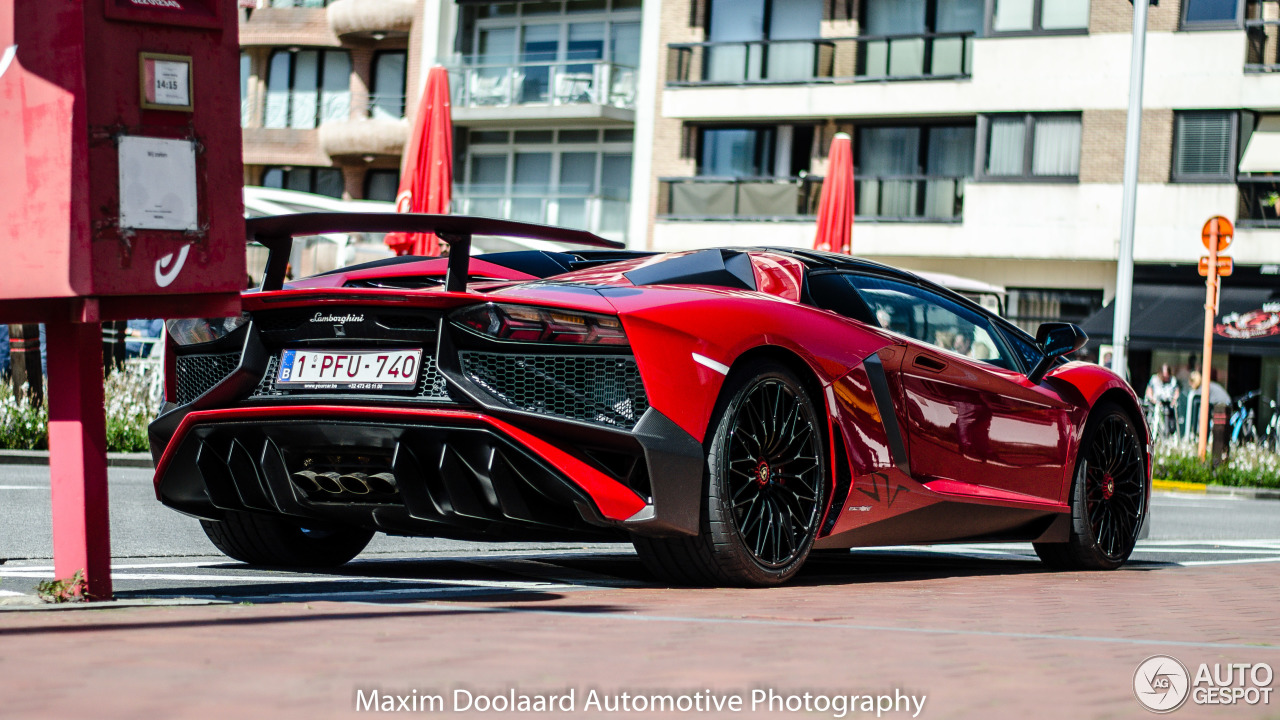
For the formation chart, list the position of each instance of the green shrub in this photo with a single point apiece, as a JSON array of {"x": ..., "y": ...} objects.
[
  {"x": 23, "y": 426},
  {"x": 1248, "y": 465},
  {"x": 130, "y": 402}
]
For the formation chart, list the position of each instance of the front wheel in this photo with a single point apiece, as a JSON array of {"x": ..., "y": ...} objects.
[
  {"x": 1108, "y": 496},
  {"x": 269, "y": 540},
  {"x": 765, "y": 487}
]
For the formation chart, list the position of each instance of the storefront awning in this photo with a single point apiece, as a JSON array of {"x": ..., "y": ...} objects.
[
  {"x": 1171, "y": 317},
  {"x": 1263, "y": 152}
]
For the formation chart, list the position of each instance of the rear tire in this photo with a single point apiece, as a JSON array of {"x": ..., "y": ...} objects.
[
  {"x": 764, "y": 487},
  {"x": 268, "y": 540},
  {"x": 1109, "y": 495}
]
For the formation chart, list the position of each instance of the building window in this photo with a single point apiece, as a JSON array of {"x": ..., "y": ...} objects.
[
  {"x": 736, "y": 152},
  {"x": 1039, "y": 16},
  {"x": 1029, "y": 307},
  {"x": 1211, "y": 14},
  {"x": 387, "y": 100},
  {"x": 577, "y": 178},
  {"x": 318, "y": 180},
  {"x": 381, "y": 185},
  {"x": 762, "y": 39},
  {"x": 1204, "y": 147},
  {"x": 246, "y": 103},
  {"x": 1031, "y": 147},
  {"x": 307, "y": 87},
  {"x": 913, "y": 172},
  {"x": 919, "y": 37}
]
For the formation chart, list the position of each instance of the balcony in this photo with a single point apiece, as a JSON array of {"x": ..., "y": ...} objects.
[
  {"x": 932, "y": 199},
  {"x": 865, "y": 58},
  {"x": 1263, "y": 52},
  {"x": 602, "y": 214},
  {"x": 374, "y": 19},
  {"x": 578, "y": 90},
  {"x": 378, "y": 127},
  {"x": 1259, "y": 203}
]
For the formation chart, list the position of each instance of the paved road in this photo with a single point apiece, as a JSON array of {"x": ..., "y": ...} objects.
[
  {"x": 979, "y": 631},
  {"x": 163, "y": 553}
]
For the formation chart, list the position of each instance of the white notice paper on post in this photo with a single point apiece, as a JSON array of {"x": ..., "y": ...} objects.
[{"x": 157, "y": 184}]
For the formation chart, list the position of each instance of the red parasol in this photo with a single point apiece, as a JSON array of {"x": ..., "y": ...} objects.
[
  {"x": 835, "y": 207},
  {"x": 426, "y": 182}
]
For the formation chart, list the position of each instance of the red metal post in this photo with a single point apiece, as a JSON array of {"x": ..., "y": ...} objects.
[{"x": 78, "y": 456}]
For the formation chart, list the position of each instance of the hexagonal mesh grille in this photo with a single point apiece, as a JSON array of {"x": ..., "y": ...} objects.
[
  {"x": 593, "y": 388},
  {"x": 430, "y": 382},
  {"x": 197, "y": 373}
]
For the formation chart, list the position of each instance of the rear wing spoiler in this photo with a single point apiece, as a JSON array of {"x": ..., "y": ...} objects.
[{"x": 276, "y": 233}]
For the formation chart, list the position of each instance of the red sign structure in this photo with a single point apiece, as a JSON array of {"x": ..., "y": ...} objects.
[
  {"x": 120, "y": 177},
  {"x": 1250, "y": 325}
]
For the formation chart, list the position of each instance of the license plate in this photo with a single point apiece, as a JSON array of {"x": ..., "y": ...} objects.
[{"x": 349, "y": 369}]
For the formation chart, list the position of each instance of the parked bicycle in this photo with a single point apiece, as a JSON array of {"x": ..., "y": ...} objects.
[
  {"x": 1162, "y": 419},
  {"x": 1243, "y": 421}
]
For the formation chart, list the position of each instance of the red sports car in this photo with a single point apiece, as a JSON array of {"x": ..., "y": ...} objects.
[{"x": 728, "y": 411}]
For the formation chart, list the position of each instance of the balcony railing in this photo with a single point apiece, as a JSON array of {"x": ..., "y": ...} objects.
[
  {"x": 591, "y": 82},
  {"x": 1263, "y": 52},
  {"x": 382, "y": 107},
  {"x": 932, "y": 56},
  {"x": 602, "y": 214},
  {"x": 1259, "y": 203},
  {"x": 884, "y": 199}
]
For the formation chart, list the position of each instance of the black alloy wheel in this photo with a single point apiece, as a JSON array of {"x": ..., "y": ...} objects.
[
  {"x": 766, "y": 480},
  {"x": 1108, "y": 496},
  {"x": 1114, "y": 488},
  {"x": 772, "y": 470}
]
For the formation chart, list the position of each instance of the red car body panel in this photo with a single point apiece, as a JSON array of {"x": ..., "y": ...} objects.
[{"x": 947, "y": 433}]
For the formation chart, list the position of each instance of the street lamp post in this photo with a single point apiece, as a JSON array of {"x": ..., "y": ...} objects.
[{"x": 1128, "y": 213}]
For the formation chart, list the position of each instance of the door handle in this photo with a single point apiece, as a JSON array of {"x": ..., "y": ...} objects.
[{"x": 925, "y": 362}]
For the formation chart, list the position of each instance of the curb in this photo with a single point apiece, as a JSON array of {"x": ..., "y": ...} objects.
[
  {"x": 1179, "y": 486},
  {"x": 1219, "y": 490},
  {"x": 41, "y": 457}
]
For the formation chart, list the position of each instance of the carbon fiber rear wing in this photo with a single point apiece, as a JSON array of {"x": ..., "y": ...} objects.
[{"x": 276, "y": 233}]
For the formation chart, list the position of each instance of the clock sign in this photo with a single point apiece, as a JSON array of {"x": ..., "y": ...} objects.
[{"x": 166, "y": 81}]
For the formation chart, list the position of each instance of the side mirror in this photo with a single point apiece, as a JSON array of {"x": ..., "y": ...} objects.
[{"x": 1055, "y": 340}]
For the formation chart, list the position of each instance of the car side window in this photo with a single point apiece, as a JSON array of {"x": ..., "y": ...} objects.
[
  {"x": 1024, "y": 347},
  {"x": 931, "y": 318}
]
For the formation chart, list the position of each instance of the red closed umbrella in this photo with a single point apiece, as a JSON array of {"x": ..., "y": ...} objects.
[
  {"x": 426, "y": 180},
  {"x": 835, "y": 207}
]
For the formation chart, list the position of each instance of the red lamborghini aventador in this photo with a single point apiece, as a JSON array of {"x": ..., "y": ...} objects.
[{"x": 726, "y": 410}]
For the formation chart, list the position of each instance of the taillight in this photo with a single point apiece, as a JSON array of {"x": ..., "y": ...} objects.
[{"x": 522, "y": 323}]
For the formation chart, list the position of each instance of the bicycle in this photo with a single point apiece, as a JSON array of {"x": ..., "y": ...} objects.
[
  {"x": 1270, "y": 437},
  {"x": 1243, "y": 421},
  {"x": 1161, "y": 417}
]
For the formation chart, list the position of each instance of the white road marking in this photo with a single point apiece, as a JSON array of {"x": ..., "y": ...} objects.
[{"x": 24, "y": 487}]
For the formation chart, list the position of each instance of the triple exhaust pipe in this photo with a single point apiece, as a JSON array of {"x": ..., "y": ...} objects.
[{"x": 350, "y": 483}]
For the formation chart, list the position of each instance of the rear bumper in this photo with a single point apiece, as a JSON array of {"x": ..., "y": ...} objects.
[{"x": 457, "y": 473}]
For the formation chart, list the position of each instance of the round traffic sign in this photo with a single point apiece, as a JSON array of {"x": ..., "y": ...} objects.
[{"x": 1222, "y": 227}]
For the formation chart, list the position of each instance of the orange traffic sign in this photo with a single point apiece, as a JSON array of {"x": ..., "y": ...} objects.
[
  {"x": 1225, "y": 265},
  {"x": 1220, "y": 226}
]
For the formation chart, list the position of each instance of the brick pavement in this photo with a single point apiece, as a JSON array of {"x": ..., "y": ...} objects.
[{"x": 994, "y": 641}]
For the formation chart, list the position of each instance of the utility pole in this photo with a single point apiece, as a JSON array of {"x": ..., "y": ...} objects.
[{"x": 1128, "y": 213}]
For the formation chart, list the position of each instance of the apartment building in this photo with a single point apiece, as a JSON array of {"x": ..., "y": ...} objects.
[
  {"x": 544, "y": 97},
  {"x": 988, "y": 139},
  {"x": 988, "y": 134},
  {"x": 323, "y": 88}
]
